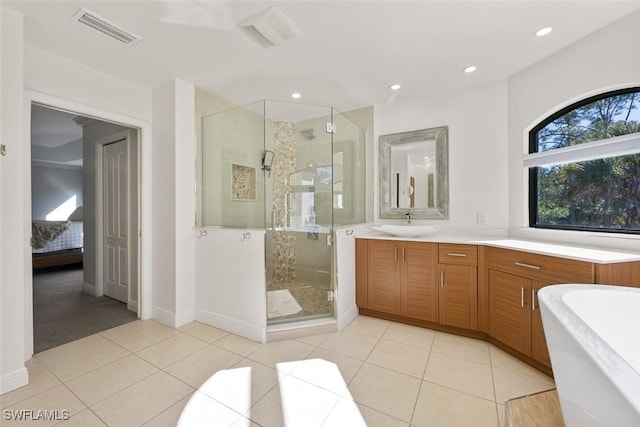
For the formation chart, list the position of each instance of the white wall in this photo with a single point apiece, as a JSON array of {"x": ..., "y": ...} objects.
[
  {"x": 53, "y": 185},
  {"x": 231, "y": 288},
  {"x": 185, "y": 202},
  {"x": 173, "y": 203},
  {"x": 477, "y": 121},
  {"x": 14, "y": 210},
  {"x": 49, "y": 73},
  {"x": 163, "y": 199},
  {"x": 345, "y": 267},
  {"x": 30, "y": 74},
  {"x": 605, "y": 60}
]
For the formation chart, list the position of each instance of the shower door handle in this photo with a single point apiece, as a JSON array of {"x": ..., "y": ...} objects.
[{"x": 273, "y": 222}]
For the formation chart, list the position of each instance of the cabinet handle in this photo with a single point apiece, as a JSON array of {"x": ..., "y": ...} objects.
[
  {"x": 533, "y": 299},
  {"x": 521, "y": 297},
  {"x": 456, "y": 254},
  {"x": 442, "y": 278},
  {"x": 395, "y": 254},
  {"x": 522, "y": 264}
]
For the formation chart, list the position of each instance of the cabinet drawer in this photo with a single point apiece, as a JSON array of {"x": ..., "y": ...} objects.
[
  {"x": 548, "y": 269},
  {"x": 457, "y": 254}
]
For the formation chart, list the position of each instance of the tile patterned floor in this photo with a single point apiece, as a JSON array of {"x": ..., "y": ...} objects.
[{"x": 375, "y": 373}]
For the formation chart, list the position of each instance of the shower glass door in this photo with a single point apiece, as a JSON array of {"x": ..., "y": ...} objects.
[
  {"x": 299, "y": 212},
  {"x": 297, "y": 171}
]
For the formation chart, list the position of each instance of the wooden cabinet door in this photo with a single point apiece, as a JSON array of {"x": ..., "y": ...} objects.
[
  {"x": 539, "y": 350},
  {"x": 362, "y": 268},
  {"x": 458, "y": 296},
  {"x": 509, "y": 312},
  {"x": 383, "y": 276},
  {"x": 419, "y": 280}
]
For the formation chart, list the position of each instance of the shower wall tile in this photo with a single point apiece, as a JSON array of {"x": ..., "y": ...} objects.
[
  {"x": 230, "y": 138},
  {"x": 284, "y": 163}
]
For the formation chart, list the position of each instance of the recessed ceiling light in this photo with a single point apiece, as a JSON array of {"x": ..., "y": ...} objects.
[
  {"x": 296, "y": 95},
  {"x": 543, "y": 31},
  {"x": 470, "y": 69},
  {"x": 395, "y": 86}
]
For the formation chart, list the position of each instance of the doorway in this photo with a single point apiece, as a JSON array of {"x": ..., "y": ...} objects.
[{"x": 66, "y": 169}]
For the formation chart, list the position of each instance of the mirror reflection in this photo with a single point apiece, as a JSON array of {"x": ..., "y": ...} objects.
[{"x": 414, "y": 174}]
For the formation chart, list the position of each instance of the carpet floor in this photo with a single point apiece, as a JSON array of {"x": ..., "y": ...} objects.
[{"x": 63, "y": 313}]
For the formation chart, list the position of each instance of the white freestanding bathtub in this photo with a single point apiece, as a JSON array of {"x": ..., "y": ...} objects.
[{"x": 593, "y": 335}]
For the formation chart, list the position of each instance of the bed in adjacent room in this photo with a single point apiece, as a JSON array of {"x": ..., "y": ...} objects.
[{"x": 57, "y": 243}]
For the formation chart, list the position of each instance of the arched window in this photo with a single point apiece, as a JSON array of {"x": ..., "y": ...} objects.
[{"x": 584, "y": 166}]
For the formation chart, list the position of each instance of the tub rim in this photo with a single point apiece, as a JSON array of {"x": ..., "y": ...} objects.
[{"x": 608, "y": 361}]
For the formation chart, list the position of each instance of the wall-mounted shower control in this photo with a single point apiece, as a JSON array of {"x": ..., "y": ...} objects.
[{"x": 267, "y": 161}]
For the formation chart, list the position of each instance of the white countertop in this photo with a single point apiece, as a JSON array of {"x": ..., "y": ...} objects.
[{"x": 599, "y": 256}]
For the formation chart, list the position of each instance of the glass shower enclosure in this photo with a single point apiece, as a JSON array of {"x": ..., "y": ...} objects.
[{"x": 297, "y": 171}]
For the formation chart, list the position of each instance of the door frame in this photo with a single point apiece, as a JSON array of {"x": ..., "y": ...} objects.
[
  {"x": 133, "y": 226},
  {"x": 144, "y": 198}
]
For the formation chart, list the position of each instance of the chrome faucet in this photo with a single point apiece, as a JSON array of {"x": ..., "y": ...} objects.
[{"x": 408, "y": 215}]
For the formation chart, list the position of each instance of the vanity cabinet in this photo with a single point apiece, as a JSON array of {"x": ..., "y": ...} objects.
[
  {"x": 401, "y": 278},
  {"x": 481, "y": 291},
  {"x": 458, "y": 293},
  {"x": 514, "y": 278}
]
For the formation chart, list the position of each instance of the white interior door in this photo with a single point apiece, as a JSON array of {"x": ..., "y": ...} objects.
[{"x": 115, "y": 183}]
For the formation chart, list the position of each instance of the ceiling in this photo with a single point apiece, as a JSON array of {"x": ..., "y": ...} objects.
[
  {"x": 347, "y": 54},
  {"x": 52, "y": 128},
  {"x": 56, "y": 139}
]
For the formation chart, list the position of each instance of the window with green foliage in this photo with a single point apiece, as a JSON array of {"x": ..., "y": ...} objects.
[{"x": 584, "y": 166}]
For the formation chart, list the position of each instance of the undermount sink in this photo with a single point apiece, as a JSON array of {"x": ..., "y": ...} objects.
[{"x": 406, "y": 230}]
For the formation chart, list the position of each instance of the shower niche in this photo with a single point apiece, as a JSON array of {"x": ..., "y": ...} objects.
[{"x": 296, "y": 171}]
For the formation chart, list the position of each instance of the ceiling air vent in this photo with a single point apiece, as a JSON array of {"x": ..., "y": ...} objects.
[
  {"x": 96, "y": 22},
  {"x": 269, "y": 28}
]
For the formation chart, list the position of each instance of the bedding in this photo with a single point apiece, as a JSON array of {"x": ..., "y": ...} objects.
[
  {"x": 43, "y": 232},
  {"x": 52, "y": 236}
]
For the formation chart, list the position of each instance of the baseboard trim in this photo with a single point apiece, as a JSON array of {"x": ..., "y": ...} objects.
[
  {"x": 14, "y": 380},
  {"x": 184, "y": 317},
  {"x": 89, "y": 288},
  {"x": 132, "y": 306},
  {"x": 347, "y": 317},
  {"x": 164, "y": 316},
  {"x": 238, "y": 327}
]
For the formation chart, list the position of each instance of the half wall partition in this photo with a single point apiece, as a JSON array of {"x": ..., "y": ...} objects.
[{"x": 296, "y": 171}]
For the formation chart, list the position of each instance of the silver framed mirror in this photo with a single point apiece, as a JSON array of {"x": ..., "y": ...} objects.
[{"x": 414, "y": 174}]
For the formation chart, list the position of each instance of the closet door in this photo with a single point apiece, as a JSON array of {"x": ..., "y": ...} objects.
[{"x": 115, "y": 217}]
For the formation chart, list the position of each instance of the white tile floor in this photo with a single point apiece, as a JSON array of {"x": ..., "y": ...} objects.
[{"x": 375, "y": 373}]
